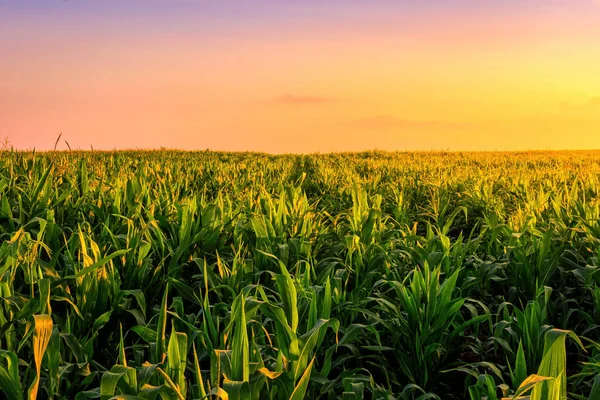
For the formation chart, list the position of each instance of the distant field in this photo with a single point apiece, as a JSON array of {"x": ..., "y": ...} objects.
[{"x": 176, "y": 275}]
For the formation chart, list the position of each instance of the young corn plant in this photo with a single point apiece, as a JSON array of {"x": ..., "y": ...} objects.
[
  {"x": 154, "y": 270},
  {"x": 422, "y": 320},
  {"x": 296, "y": 350}
]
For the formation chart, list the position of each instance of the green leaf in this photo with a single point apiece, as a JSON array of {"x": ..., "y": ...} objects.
[
  {"x": 12, "y": 364},
  {"x": 171, "y": 384},
  {"x": 100, "y": 263},
  {"x": 300, "y": 389},
  {"x": 595, "y": 393},
  {"x": 529, "y": 383},
  {"x": 287, "y": 292},
  {"x": 82, "y": 178},
  {"x": 148, "y": 335},
  {"x": 176, "y": 359},
  {"x": 240, "y": 354},
  {"x": 40, "y": 185},
  {"x": 520, "y": 367},
  {"x": 554, "y": 365},
  {"x": 9, "y": 386},
  {"x": 161, "y": 328},
  {"x": 237, "y": 390},
  {"x": 150, "y": 392},
  {"x": 308, "y": 342},
  {"x": 198, "y": 375},
  {"x": 108, "y": 384}
]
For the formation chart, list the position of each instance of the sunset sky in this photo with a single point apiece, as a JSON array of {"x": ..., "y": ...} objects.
[{"x": 301, "y": 76}]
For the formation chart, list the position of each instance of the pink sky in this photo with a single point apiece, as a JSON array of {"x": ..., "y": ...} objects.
[{"x": 301, "y": 76}]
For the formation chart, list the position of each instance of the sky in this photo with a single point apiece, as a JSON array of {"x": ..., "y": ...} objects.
[{"x": 300, "y": 76}]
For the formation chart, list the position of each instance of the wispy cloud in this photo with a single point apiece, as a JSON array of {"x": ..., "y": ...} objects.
[
  {"x": 303, "y": 99},
  {"x": 392, "y": 122}
]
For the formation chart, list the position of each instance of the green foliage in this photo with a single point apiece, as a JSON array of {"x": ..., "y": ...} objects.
[{"x": 176, "y": 275}]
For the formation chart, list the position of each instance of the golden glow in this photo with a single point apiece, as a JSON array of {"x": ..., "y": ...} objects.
[{"x": 465, "y": 84}]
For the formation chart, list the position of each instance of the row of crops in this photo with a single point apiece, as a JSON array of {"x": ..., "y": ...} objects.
[{"x": 177, "y": 275}]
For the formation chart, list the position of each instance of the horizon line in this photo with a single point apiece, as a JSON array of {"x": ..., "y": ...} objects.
[{"x": 340, "y": 152}]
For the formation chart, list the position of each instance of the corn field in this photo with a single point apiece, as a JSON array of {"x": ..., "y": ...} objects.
[{"x": 207, "y": 275}]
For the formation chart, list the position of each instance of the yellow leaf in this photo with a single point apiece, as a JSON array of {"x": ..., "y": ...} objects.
[
  {"x": 269, "y": 374},
  {"x": 41, "y": 337}
]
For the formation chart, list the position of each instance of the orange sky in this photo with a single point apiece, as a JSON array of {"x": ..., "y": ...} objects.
[{"x": 284, "y": 77}]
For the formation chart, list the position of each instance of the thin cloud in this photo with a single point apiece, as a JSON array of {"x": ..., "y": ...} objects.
[
  {"x": 392, "y": 122},
  {"x": 303, "y": 99}
]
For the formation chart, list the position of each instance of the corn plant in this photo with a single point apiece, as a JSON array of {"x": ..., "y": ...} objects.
[{"x": 173, "y": 274}]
